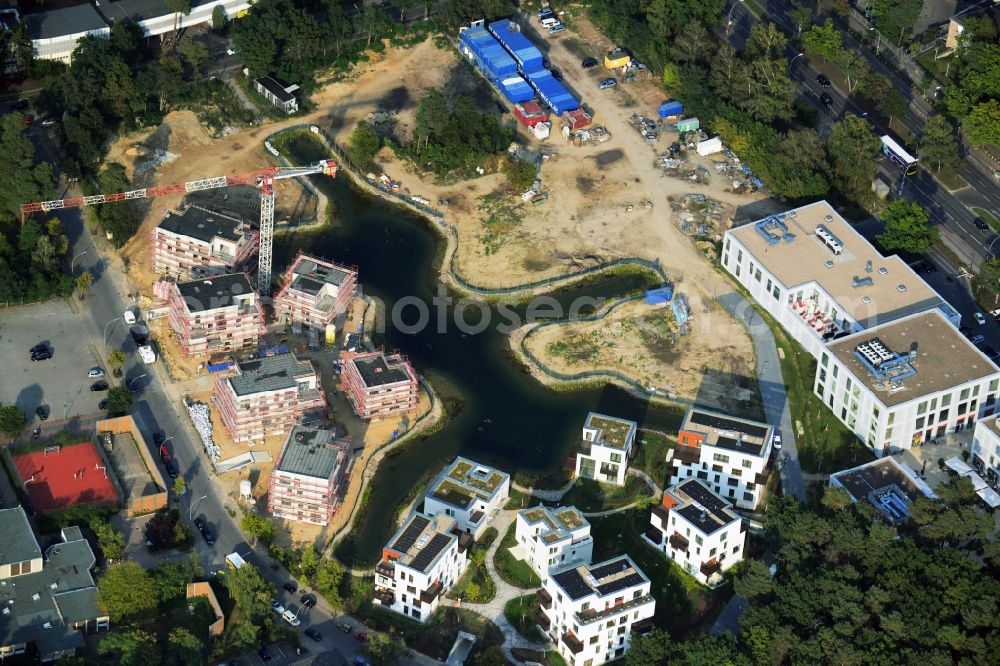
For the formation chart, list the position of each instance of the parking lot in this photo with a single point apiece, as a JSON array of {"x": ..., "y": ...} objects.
[
  {"x": 281, "y": 653},
  {"x": 60, "y": 383}
]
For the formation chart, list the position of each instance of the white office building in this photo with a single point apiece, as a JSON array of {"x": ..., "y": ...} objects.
[
  {"x": 907, "y": 382},
  {"x": 986, "y": 457},
  {"x": 820, "y": 279},
  {"x": 698, "y": 530},
  {"x": 420, "y": 564},
  {"x": 592, "y": 612},
  {"x": 468, "y": 492},
  {"x": 553, "y": 538},
  {"x": 606, "y": 448},
  {"x": 728, "y": 454}
]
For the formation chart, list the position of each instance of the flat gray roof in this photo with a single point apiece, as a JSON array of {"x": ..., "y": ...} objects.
[
  {"x": 944, "y": 358},
  {"x": 311, "y": 452},
  {"x": 204, "y": 224},
  {"x": 18, "y": 543},
  {"x": 64, "y": 22},
  {"x": 272, "y": 373},
  {"x": 214, "y": 292},
  {"x": 878, "y": 474}
]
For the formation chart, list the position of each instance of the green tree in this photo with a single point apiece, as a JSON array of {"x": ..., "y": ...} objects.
[
  {"x": 111, "y": 541},
  {"x": 835, "y": 499},
  {"x": 988, "y": 278},
  {"x": 258, "y": 527},
  {"x": 180, "y": 486},
  {"x": 194, "y": 54},
  {"x": 693, "y": 45},
  {"x": 874, "y": 85},
  {"x": 907, "y": 228},
  {"x": 938, "y": 146},
  {"x": 26, "y": 180},
  {"x": 171, "y": 580},
  {"x": 117, "y": 358},
  {"x": 251, "y": 593},
  {"x": 308, "y": 562},
  {"x": 329, "y": 576},
  {"x": 120, "y": 400},
  {"x": 130, "y": 647},
  {"x": 179, "y": 7},
  {"x": 982, "y": 124},
  {"x": 125, "y": 591},
  {"x": 893, "y": 104},
  {"x": 492, "y": 656},
  {"x": 766, "y": 40},
  {"x": 896, "y": 18},
  {"x": 12, "y": 420},
  {"x": 121, "y": 220},
  {"x": 824, "y": 41},
  {"x": 22, "y": 47},
  {"x": 754, "y": 581},
  {"x": 385, "y": 648},
  {"x": 364, "y": 144},
  {"x": 184, "y": 648},
  {"x": 84, "y": 282},
  {"x": 855, "y": 68},
  {"x": 520, "y": 175},
  {"x": 656, "y": 647},
  {"x": 801, "y": 17},
  {"x": 219, "y": 20},
  {"x": 373, "y": 23},
  {"x": 854, "y": 149}
]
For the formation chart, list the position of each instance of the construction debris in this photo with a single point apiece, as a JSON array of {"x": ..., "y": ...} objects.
[
  {"x": 202, "y": 420},
  {"x": 648, "y": 129},
  {"x": 700, "y": 216},
  {"x": 588, "y": 136}
]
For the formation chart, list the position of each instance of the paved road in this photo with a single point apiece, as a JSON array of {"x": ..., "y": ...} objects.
[
  {"x": 949, "y": 210},
  {"x": 772, "y": 391}
]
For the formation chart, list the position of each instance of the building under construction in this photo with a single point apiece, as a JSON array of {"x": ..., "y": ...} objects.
[
  {"x": 380, "y": 385},
  {"x": 218, "y": 314},
  {"x": 314, "y": 292},
  {"x": 197, "y": 242},
  {"x": 305, "y": 484}
]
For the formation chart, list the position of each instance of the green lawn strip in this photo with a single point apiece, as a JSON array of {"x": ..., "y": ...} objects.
[
  {"x": 518, "y": 500},
  {"x": 476, "y": 586},
  {"x": 550, "y": 658},
  {"x": 683, "y": 606},
  {"x": 590, "y": 496},
  {"x": 435, "y": 637},
  {"x": 512, "y": 570},
  {"x": 950, "y": 178},
  {"x": 651, "y": 455},
  {"x": 988, "y": 217},
  {"x": 520, "y": 612}
]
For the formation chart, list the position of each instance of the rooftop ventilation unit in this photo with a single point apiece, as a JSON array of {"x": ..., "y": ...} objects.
[
  {"x": 828, "y": 218},
  {"x": 861, "y": 282},
  {"x": 882, "y": 270},
  {"x": 866, "y": 299},
  {"x": 868, "y": 266},
  {"x": 829, "y": 239},
  {"x": 901, "y": 288},
  {"x": 829, "y": 263}
]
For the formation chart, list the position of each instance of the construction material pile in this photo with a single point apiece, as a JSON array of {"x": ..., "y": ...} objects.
[
  {"x": 698, "y": 215},
  {"x": 648, "y": 129},
  {"x": 202, "y": 420},
  {"x": 742, "y": 177},
  {"x": 588, "y": 136}
]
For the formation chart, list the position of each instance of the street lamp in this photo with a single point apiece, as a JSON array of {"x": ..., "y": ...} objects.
[
  {"x": 134, "y": 379},
  {"x": 729, "y": 19},
  {"x": 77, "y": 256},
  {"x": 106, "y": 330},
  {"x": 797, "y": 55},
  {"x": 193, "y": 505}
]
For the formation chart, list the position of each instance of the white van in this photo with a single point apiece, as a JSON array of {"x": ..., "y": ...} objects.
[
  {"x": 129, "y": 317},
  {"x": 549, "y": 21}
]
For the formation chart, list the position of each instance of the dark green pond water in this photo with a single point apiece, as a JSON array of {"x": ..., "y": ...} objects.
[{"x": 499, "y": 414}]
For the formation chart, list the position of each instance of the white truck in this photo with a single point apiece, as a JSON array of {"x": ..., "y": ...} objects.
[
  {"x": 147, "y": 354},
  {"x": 234, "y": 561}
]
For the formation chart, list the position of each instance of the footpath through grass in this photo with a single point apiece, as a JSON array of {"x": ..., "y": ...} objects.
[
  {"x": 512, "y": 570},
  {"x": 520, "y": 612},
  {"x": 591, "y": 496}
]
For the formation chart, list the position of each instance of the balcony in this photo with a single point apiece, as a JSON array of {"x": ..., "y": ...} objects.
[
  {"x": 542, "y": 620},
  {"x": 661, "y": 512},
  {"x": 385, "y": 596},
  {"x": 642, "y": 627},
  {"x": 387, "y": 569},
  {"x": 592, "y": 615},
  {"x": 710, "y": 567},
  {"x": 654, "y": 535},
  {"x": 688, "y": 455},
  {"x": 573, "y": 643},
  {"x": 544, "y": 598},
  {"x": 678, "y": 542},
  {"x": 432, "y": 593}
]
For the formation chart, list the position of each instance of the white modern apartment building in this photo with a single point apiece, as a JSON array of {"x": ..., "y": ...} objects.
[
  {"x": 728, "y": 454},
  {"x": 820, "y": 279},
  {"x": 419, "y": 564},
  {"x": 698, "y": 530},
  {"x": 553, "y": 538},
  {"x": 468, "y": 492},
  {"x": 606, "y": 448},
  {"x": 591, "y": 612},
  {"x": 986, "y": 450},
  {"x": 901, "y": 384}
]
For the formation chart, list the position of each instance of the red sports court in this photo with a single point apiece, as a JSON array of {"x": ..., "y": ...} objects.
[{"x": 59, "y": 477}]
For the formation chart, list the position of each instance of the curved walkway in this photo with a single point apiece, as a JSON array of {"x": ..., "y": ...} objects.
[
  {"x": 657, "y": 491},
  {"x": 545, "y": 495}
]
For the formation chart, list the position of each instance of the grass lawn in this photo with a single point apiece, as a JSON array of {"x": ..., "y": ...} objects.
[
  {"x": 988, "y": 217},
  {"x": 514, "y": 571},
  {"x": 434, "y": 638},
  {"x": 683, "y": 606},
  {"x": 550, "y": 658},
  {"x": 937, "y": 68},
  {"x": 951, "y": 179},
  {"x": 651, "y": 454},
  {"x": 520, "y": 612},
  {"x": 484, "y": 589},
  {"x": 518, "y": 500},
  {"x": 590, "y": 496}
]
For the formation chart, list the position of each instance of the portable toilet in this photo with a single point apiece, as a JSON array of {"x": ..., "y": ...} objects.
[{"x": 688, "y": 124}]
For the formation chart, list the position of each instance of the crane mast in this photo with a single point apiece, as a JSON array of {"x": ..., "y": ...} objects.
[{"x": 262, "y": 179}]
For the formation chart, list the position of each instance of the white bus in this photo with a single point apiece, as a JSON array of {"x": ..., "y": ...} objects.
[
  {"x": 234, "y": 561},
  {"x": 895, "y": 152}
]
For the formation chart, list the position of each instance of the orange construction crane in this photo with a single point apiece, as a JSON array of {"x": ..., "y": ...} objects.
[{"x": 262, "y": 179}]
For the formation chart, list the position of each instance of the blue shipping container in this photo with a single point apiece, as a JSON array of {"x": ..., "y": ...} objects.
[
  {"x": 515, "y": 89},
  {"x": 659, "y": 296},
  {"x": 489, "y": 56},
  {"x": 553, "y": 93},
  {"x": 526, "y": 54},
  {"x": 671, "y": 108}
]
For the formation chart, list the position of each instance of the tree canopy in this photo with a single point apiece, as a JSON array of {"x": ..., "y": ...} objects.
[
  {"x": 938, "y": 147},
  {"x": 907, "y": 228},
  {"x": 130, "y": 647},
  {"x": 455, "y": 137},
  {"x": 12, "y": 420},
  {"x": 126, "y": 591},
  {"x": 854, "y": 149},
  {"x": 251, "y": 592}
]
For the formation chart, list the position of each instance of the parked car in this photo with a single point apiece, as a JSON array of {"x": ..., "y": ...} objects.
[
  {"x": 990, "y": 352},
  {"x": 827, "y": 99},
  {"x": 587, "y": 63},
  {"x": 776, "y": 441},
  {"x": 264, "y": 654},
  {"x": 346, "y": 627},
  {"x": 209, "y": 535},
  {"x": 995, "y": 314},
  {"x": 556, "y": 74},
  {"x": 173, "y": 471},
  {"x": 103, "y": 404},
  {"x": 95, "y": 373},
  {"x": 230, "y": 52},
  {"x": 313, "y": 634},
  {"x": 361, "y": 636},
  {"x": 42, "y": 355},
  {"x": 608, "y": 83},
  {"x": 977, "y": 340},
  {"x": 42, "y": 412},
  {"x": 291, "y": 618},
  {"x": 20, "y": 105},
  {"x": 980, "y": 318},
  {"x": 277, "y": 607},
  {"x": 360, "y": 661},
  {"x": 28, "y": 119},
  {"x": 823, "y": 80},
  {"x": 99, "y": 386},
  {"x": 557, "y": 28},
  {"x": 291, "y": 587},
  {"x": 981, "y": 224},
  {"x": 41, "y": 346},
  {"x": 307, "y": 600},
  {"x": 199, "y": 523},
  {"x": 158, "y": 438},
  {"x": 129, "y": 317}
]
